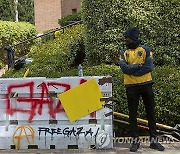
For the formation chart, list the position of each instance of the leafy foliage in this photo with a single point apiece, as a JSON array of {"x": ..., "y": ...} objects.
[
  {"x": 1, "y": 64},
  {"x": 166, "y": 89},
  {"x": 12, "y": 33},
  {"x": 69, "y": 19},
  {"x": 7, "y": 11},
  {"x": 55, "y": 56},
  {"x": 49, "y": 35},
  {"x": 167, "y": 94},
  {"x": 106, "y": 21},
  {"x": 25, "y": 10}
]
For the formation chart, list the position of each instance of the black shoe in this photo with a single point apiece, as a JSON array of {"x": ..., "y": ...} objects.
[
  {"x": 157, "y": 146},
  {"x": 134, "y": 146}
]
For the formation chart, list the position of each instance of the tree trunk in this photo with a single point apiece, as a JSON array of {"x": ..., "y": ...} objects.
[{"x": 16, "y": 10}]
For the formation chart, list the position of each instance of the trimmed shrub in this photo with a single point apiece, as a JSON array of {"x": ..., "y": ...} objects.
[
  {"x": 12, "y": 33},
  {"x": 48, "y": 37},
  {"x": 69, "y": 19},
  {"x": 106, "y": 21},
  {"x": 166, "y": 89},
  {"x": 1, "y": 64},
  {"x": 78, "y": 51},
  {"x": 53, "y": 57},
  {"x": 167, "y": 94}
]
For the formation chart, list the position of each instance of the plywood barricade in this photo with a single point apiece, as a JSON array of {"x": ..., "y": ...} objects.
[{"x": 32, "y": 116}]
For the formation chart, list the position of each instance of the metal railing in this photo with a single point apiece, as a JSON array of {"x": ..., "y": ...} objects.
[{"x": 10, "y": 50}]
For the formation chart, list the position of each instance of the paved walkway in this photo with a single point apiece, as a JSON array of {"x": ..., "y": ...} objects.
[{"x": 171, "y": 148}]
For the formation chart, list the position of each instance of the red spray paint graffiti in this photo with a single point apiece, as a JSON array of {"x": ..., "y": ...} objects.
[
  {"x": 38, "y": 103},
  {"x": 58, "y": 107}
]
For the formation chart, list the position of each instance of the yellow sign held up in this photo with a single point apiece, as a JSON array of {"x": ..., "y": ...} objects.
[{"x": 81, "y": 100}]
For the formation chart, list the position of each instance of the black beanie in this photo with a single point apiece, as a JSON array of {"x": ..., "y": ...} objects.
[{"x": 132, "y": 33}]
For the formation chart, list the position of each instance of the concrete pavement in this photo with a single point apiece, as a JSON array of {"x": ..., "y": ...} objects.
[{"x": 171, "y": 148}]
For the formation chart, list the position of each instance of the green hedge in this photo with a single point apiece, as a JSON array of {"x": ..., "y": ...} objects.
[
  {"x": 106, "y": 21},
  {"x": 166, "y": 89},
  {"x": 55, "y": 56},
  {"x": 48, "y": 37},
  {"x": 14, "y": 32},
  {"x": 1, "y": 64},
  {"x": 69, "y": 19}
]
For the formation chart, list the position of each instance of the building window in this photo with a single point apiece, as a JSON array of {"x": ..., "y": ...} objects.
[{"x": 74, "y": 11}]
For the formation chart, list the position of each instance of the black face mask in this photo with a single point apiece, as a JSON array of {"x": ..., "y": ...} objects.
[{"x": 134, "y": 44}]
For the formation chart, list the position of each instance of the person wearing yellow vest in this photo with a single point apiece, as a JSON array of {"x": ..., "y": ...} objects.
[{"x": 136, "y": 63}]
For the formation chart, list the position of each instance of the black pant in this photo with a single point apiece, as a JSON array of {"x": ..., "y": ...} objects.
[{"x": 133, "y": 96}]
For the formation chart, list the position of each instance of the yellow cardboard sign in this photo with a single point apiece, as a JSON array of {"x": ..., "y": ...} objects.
[{"x": 81, "y": 100}]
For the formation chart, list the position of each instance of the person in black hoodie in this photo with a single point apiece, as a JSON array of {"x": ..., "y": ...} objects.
[{"x": 136, "y": 63}]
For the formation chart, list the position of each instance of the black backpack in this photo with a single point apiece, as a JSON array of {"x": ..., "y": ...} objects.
[{"x": 19, "y": 63}]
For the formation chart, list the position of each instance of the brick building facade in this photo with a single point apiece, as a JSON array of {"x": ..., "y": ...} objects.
[{"x": 47, "y": 12}]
